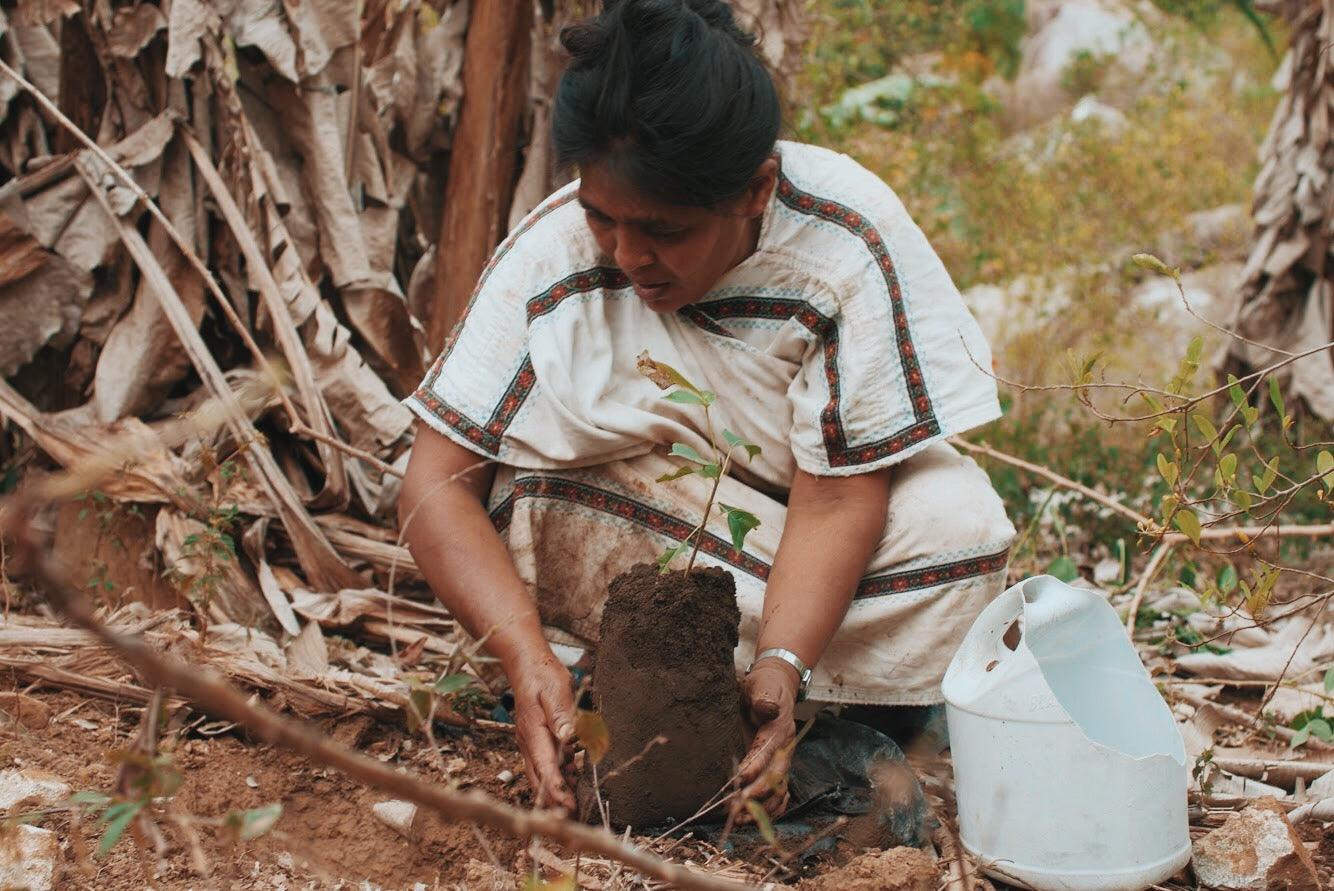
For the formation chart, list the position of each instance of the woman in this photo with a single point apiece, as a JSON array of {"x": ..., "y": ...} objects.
[{"x": 783, "y": 276}]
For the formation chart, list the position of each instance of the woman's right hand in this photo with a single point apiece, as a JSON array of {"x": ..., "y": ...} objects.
[{"x": 544, "y": 724}]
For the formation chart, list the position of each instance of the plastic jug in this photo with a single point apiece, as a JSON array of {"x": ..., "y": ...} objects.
[{"x": 1069, "y": 770}]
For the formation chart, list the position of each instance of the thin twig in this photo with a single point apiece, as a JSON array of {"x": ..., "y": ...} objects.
[
  {"x": 216, "y": 697},
  {"x": 1052, "y": 476},
  {"x": 1150, "y": 571}
]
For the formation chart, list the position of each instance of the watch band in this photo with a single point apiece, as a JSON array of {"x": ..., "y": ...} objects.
[{"x": 791, "y": 658}]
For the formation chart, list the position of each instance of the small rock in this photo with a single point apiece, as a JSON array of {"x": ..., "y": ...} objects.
[
  {"x": 28, "y": 858},
  {"x": 506, "y": 776},
  {"x": 1255, "y": 850},
  {"x": 898, "y": 869},
  {"x": 26, "y": 710},
  {"x": 397, "y": 815},
  {"x": 1322, "y": 786},
  {"x": 32, "y": 788}
]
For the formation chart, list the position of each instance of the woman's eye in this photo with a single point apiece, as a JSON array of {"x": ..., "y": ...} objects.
[
  {"x": 665, "y": 234},
  {"x": 596, "y": 219}
]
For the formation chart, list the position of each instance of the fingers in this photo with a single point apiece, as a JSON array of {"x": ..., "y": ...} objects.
[
  {"x": 558, "y": 703},
  {"x": 770, "y": 691},
  {"x": 544, "y": 757}
]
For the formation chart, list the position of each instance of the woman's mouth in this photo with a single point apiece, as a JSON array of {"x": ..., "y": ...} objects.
[{"x": 651, "y": 293}]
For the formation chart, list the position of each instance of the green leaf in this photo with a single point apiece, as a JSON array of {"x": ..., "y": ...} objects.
[
  {"x": 1168, "y": 469},
  {"x": 1320, "y": 729},
  {"x": 1276, "y": 397},
  {"x": 1268, "y": 476},
  {"x": 1063, "y": 568},
  {"x": 739, "y": 523},
  {"x": 451, "y": 683},
  {"x": 1188, "y": 523},
  {"x": 1228, "y": 438},
  {"x": 1235, "y": 391},
  {"x": 684, "y": 470},
  {"x": 710, "y": 471},
  {"x": 1300, "y": 737},
  {"x": 1324, "y": 465},
  {"x": 258, "y": 820},
  {"x": 762, "y": 822},
  {"x": 591, "y": 731},
  {"x": 1153, "y": 264},
  {"x": 734, "y": 441},
  {"x": 1154, "y": 405},
  {"x": 685, "y": 397},
  {"x": 681, "y": 450},
  {"x": 124, "y": 813},
  {"x": 1243, "y": 499},
  {"x": 1249, "y": 415},
  {"x": 1227, "y": 467},
  {"x": 1205, "y": 426},
  {"x": 666, "y": 557},
  {"x": 1329, "y": 680},
  {"x": 1195, "y": 348},
  {"x": 1227, "y": 578}
]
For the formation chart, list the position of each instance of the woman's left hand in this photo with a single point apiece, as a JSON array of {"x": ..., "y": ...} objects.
[{"x": 770, "y": 693}]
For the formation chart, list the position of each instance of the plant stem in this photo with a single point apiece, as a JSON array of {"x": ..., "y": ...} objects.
[{"x": 708, "y": 505}]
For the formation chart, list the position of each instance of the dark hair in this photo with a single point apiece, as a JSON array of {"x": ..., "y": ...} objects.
[{"x": 671, "y": 94}]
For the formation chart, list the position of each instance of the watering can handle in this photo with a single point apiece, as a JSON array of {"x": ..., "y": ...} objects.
[{"x": 983, "y": 642}]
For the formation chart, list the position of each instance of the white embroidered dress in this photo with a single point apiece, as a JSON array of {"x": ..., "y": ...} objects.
[{"x": 840, "y": 346}]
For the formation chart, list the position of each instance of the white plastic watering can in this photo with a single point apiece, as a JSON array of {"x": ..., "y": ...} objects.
[{"x": 1069, "y": 769}]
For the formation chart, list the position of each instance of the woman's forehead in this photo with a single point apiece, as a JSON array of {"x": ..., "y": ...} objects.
[{"x": 605, "y": 192}]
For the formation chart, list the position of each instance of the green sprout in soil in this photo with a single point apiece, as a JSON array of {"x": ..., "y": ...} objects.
[{"x": 739, "y": 522}]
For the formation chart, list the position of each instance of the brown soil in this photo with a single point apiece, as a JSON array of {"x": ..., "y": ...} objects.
[
  {"x": 665, "y": 668},
  {"x": 898, "y": 869},
  {"x": 326, "y": 837}
]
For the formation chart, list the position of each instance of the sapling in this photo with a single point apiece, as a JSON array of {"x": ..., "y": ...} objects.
[{"x": 739, "y": 522}]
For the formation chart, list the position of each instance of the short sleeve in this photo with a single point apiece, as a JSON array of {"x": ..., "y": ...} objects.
[
  {"x": 895, "y": 360},
  {"x": 476, "y": 385}
]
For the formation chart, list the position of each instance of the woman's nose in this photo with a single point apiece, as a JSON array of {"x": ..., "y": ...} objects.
[{"x": 632, "y": 250}]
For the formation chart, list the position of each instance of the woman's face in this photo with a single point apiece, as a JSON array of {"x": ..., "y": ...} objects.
[{"x": 673, "y": 254}]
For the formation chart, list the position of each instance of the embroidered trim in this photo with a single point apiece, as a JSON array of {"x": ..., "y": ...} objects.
[
  {"x": 647, "y": 517},
  {"x": 488, "y": 436},
  {"x": 505, "y": 247},
  {"x": 925, "y": 425},
  {"x": 608, "y": 277}
]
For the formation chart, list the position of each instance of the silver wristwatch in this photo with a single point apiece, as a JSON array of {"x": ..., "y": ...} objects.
[{"x": 791, "y": 658}]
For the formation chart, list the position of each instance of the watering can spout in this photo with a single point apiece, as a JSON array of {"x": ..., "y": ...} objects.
[{"x": 1068, "y": 764}]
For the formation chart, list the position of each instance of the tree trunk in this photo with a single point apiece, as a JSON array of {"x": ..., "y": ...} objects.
[
  {"x": 1287, "y": 290},
  {"x": 484, "y": 156}
]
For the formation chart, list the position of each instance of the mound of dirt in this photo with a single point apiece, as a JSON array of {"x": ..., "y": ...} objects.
[
  {"x": 898, "y": 869},
  {"x": 665, "y": 668}
]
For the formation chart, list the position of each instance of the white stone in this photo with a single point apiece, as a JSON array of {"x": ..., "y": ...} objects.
[
  {"x": 1090, "y": 108},
  {"x": 37, "y": 788},
  {"x": 1321, "y": 787},
  {"x": 1106, "y": 29},
  {"x": 28, "y": 858},
  {"x": 1255, "y": 850},
  {"x": 397, "y": 815}
]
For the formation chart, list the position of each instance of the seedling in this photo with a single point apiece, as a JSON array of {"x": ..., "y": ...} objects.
[{"x": 739, "y": 522}]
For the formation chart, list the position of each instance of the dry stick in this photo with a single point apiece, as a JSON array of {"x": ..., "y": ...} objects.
[
  {"x": 218, "y": 698},
  {"x": 1269, "y": 694},
  {"x": 1274, "y": 770},
  {"x": 300, "y": 429},
  {"x": 1238, "y": 716},
  {"x": 317, "y": 557},
  {"x": 1130, "y": 513},
  {"x": 283, "y": 326},
  {"x": 1052, "y": 476},
  {"x": 1150, "y": 571}
]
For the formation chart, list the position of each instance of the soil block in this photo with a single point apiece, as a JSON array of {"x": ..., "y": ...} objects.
[{"x": 665, "y": 668}]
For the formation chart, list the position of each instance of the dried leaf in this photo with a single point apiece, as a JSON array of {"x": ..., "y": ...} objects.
[{"x": 591, "y": 731}]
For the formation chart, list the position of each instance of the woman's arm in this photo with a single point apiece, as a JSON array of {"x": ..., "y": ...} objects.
[
  {"x": 833, "y": 527},
  {"x": 442, "y": 513}
]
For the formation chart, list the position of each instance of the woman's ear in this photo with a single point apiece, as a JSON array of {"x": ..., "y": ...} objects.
[{"x": 762, "y": 184}]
